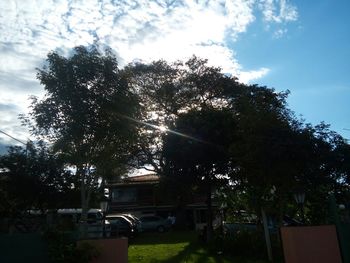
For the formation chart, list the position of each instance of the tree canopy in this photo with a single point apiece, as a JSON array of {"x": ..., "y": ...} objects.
[
  {"x": 272, "y": 152},
  {"x": 190, "y": 123},
  {"x": 168, "y": 90},
  {"x": 83, "y": 111},
  {"x": 34, "y": 178},
  {"x": 86, "y": 113}
]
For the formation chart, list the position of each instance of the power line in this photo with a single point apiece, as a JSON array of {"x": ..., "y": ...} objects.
[{"x": 13, "y": 137}]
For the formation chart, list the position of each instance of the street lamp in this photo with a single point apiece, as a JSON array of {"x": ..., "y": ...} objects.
[
  {"x": 104, "y": 207},
  {"x": 299, "y": 196}
]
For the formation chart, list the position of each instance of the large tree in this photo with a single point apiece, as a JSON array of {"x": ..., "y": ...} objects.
[
  {"x": 328, "y": 171},
  {"x": 33, "y": 178},
  {"x": 196, "y": 151},
  {"x": 274, "y": 151},
  {"x": 86, "y": 113},
  {"x": 168, "y": 90},
  {"x": 277, "y": 154},
  {"x": 266, "y": 152}
]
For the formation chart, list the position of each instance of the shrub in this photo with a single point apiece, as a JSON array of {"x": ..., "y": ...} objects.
[
  {"x": 241, "y": 243},
  {"x": 62, "y": 248}
]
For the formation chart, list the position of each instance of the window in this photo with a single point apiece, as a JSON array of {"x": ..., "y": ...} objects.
[{"x": 124, "y": 195}]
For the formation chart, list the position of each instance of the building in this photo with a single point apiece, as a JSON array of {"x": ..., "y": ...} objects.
[
  {"x": 139, "y": 195},
  {"x": 136, "y": 194}
]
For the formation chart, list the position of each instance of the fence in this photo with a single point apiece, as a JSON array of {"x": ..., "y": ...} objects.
[{"x": 21, "y": 248}]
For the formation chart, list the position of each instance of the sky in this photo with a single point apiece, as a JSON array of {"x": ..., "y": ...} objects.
[{"x": 299, "y": 45}]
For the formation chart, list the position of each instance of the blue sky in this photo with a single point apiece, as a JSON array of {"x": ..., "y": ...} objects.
[
  {"x": 285, "y": 44},
  {"x": 311, "y": 60}
]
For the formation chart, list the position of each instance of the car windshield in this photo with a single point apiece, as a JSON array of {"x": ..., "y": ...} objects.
[
  {"x": 113, "y": 219},
  {"x": 131, "y": 218},
  {"x": 96, "y": 216}
]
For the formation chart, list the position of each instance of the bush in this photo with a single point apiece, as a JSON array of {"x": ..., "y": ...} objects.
[
  {"x": 242, "y": 243},
  {"x": 62, "y": 248},
  {"x": 246, "y": 243}
]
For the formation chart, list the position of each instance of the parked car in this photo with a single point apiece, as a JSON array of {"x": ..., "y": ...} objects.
[
  {"x": 120, "y": 225},
  {"x": 94, "y": 215},
  {"x": 155, "y": 223},
  {"x": 135, "y": 220},
  {"x": 70, "y": 218}
]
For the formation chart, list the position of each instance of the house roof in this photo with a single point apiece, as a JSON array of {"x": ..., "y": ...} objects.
[
  {"x": 143, "y": 178},
  {"x": 139, "y": 179}
]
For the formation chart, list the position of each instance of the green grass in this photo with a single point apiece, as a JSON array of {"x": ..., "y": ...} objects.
[{"x": 174, "y": 247}]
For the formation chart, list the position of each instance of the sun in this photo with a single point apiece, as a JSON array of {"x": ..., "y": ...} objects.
[{"x": 162, "y": 128}]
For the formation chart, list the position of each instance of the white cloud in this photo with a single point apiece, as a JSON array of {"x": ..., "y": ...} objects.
[
  {"x": 183, "y": 30},
  {"x": 141, "y": 29},
  {"x": 249, "y": 76},
  {"x": 39, "y": 26},
  {"x": 280, "y": 33},
  {"x": 278, "y": 11}
]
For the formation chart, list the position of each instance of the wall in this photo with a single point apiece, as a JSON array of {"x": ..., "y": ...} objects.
[
  {"x": 307, "y": 244},
  {"x": 114, "y": 250}
]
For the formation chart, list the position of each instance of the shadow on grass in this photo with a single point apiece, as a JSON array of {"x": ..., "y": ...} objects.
[
  {"x": 171, "y": 237},
  {"x": 174, "y": 247},
  {"x": 182, "y": 256},
  {"x": 194, "y": 253}
]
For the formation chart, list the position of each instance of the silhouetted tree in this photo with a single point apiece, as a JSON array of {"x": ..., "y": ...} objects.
[
  {"x": 34, "y": 178},
  {"x": 197, "y": 152},
  {"x": 276, "y": 153},
  {"x": 168, "y": 90},
  {"x": 86, "y": 113}
]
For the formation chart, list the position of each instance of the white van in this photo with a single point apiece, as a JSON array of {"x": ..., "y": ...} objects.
[{"x": 94, "y": 220}]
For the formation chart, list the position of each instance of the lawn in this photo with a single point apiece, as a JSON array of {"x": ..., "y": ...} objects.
[{"x": 174, "y": 247}]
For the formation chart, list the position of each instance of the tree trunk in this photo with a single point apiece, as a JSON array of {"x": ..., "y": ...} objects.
[
  {"x": 280, "y": 220},
  {"x": 84, "y": 202},
  {"x": 267, "y": 235},
  {"x": 209, "y": 213}
]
